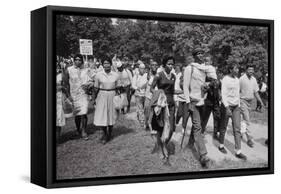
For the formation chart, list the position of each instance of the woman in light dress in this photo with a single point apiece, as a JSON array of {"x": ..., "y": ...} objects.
[
  {"x": 77, "y": 76},
  {"x": 59, "y": 97},
  {"x": 105, "y": 89}
]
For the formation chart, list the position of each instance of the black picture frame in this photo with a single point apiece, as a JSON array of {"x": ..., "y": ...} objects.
[{"x": 43, "y": 144}]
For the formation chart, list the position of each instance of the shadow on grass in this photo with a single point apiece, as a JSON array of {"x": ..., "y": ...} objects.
[
  {"x": 74, "y": 135},
  {"x": 91, "y": 129},
  {"x": 71, "y": 135},
  {"x": 261, "y": 141},
  {"x": 171, "y": 148},
  {"x": 121, "y": 130},
  {"x": 191, "y": 147},
  {"x": 230, "y": 146}
]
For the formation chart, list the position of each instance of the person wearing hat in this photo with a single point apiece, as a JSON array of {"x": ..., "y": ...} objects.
[
  {"x": 78, "y": 81},
  {"x": 194, "y": 80},
  {"x": 139, "y": 85}
]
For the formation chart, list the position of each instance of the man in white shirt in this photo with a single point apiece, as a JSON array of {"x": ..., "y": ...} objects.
[
  {"x": 230, "y": 108},
  {"x": 193, "y": 80},
  {"x": 139, "y": 85},
  {"x": 248, "y": 91}
]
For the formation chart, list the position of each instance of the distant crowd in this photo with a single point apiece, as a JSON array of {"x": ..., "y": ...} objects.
[{"x": 166, "y": 93}]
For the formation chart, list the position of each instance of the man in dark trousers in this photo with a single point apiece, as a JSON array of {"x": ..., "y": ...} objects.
[
  {"x": 212, "y": 104},
  {"x": 194, "y": 80}
]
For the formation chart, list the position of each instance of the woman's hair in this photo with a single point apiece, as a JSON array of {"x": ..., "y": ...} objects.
[
  {"x": 250, "y": 66},
  {"x": 106, "y": 58},
  {"x": 166, "y": 59},
  {"x": 79, "y": 56}
]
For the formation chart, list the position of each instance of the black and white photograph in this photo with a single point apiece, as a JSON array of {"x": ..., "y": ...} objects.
[{"x": 144, "y": 97}]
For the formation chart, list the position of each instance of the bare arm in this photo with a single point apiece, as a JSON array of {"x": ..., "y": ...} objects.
[{"x": 256, "y": 94}]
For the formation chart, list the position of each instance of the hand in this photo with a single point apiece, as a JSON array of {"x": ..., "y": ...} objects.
[
  {"x": 70, "y": 99},
  {"x": 91, "y": 84},
  {"x": 84, "y": 87},
  {"x": 228, "y": 112},
  {"x": 262, "y": 107}
]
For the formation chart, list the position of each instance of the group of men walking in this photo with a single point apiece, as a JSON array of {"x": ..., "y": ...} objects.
[{"x": 163, "y": 94}]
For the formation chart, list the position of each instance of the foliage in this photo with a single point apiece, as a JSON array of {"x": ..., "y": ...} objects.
[{"x": 145, "y": 39}]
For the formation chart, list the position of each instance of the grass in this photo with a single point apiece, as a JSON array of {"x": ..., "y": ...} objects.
[{"x": 129, "y": 153}]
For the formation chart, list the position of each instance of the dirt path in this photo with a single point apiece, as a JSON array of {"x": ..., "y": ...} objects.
[
  {"x": 129, "y": 152},
  {"x": 259, "y": 153}
]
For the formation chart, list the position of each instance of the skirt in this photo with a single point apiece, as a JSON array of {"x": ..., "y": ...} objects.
[
  {"x": 80, "y": 105},
  {"x": 105, "y": 113}
]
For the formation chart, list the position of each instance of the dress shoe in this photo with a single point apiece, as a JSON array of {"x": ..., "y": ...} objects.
[
  {"x": 250, "y": 143},
  {"x": 204, "y": 161},
  {"x": 241, "y": 156},
  {"x": 222, "y": 150}
]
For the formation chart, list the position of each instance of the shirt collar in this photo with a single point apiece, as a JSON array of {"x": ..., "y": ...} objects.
[
  {"x": 107, "y": 74},
  {"x": 81, "y": 67}
]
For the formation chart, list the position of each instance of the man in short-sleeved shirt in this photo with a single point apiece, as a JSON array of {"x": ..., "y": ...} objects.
[
  {"x": 248, "y": 91},
  {"x": 249, "y": 87}
]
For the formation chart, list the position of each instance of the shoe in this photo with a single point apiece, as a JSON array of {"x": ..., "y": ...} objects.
[
  {"x": 78, "y": 132},
  {"x": 241, "y": 156},
  {"x": 222, "y": 150},
  {"x": 250, "y": 143},
  {"x": 167, "y": 162},
  {"x": 204, "y": 161},
  {"x": 84, "y": 135}
]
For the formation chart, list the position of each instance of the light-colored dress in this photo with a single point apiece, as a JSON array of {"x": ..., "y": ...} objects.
[
  {"x": 60, "y": 114},
  {"x": 105, "y": 113},
  {"x": 78, "y": 77}
]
